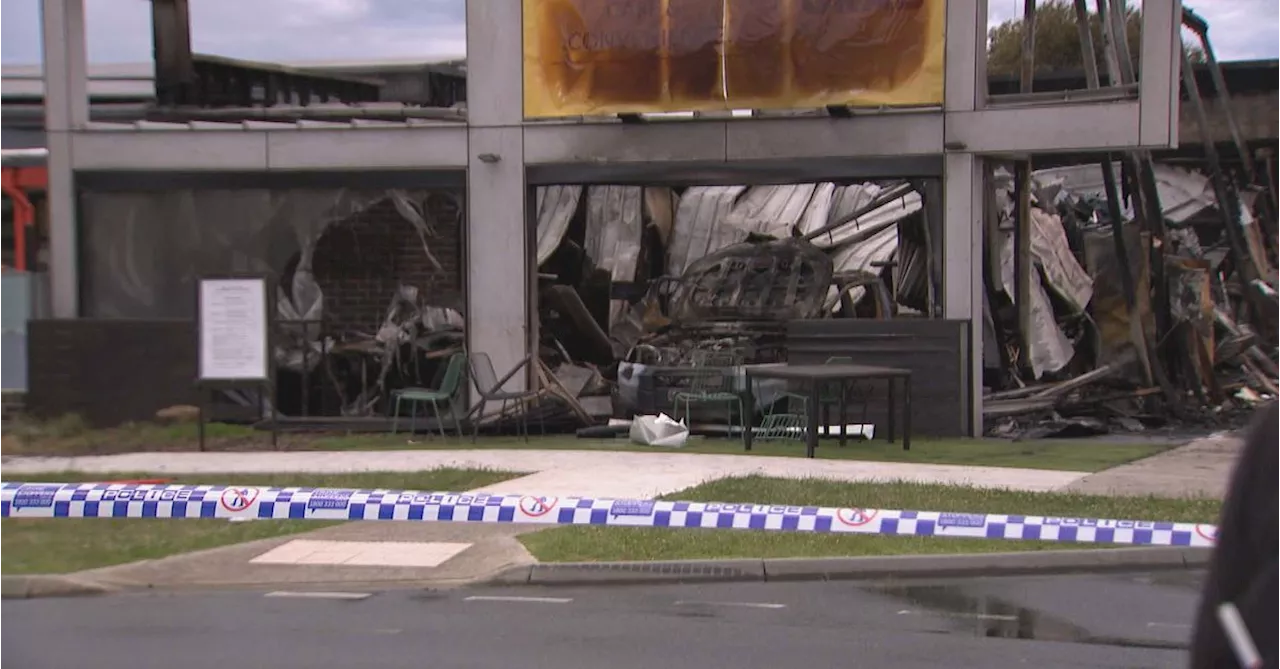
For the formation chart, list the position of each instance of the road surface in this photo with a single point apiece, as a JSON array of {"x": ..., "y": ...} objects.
[{"x": 1130, "y": 620}]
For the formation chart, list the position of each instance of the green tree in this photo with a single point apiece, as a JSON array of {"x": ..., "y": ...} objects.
[{"x": 1058, "y": 40}]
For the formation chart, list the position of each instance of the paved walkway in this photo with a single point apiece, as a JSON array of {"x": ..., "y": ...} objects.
[
  {"x": 560, "y": 473},
  {"x": 1200, "y": 468},
  {"x": 402, "y": 552}
]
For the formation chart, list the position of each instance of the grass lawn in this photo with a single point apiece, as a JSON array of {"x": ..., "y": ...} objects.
[
  {"x": 592, "y": 544},
  {"x": 60, "y": 545},
  {"x": 1056, "y": 454},
  {"x": 69, "y": 436}
]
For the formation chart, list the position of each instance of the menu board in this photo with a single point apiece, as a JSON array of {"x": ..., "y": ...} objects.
[{"x": 233, "y": 329}]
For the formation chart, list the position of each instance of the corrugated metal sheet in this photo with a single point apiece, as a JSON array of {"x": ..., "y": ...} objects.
[
  {"x": 615, "y": 228},
  {"x": 879, "y": 248},
  {"x": 848, "y": 199},
  {"x": 700, "y": 229},
  {"x": 819, "y": 210},
  {"x": 556, "y": 206},
  {"x": 772, "y": 211},
  {"x": 1051, "y": 250},
  {"x": 1051, "y": 350},
  {"x": 1183, "y": 193},
  {"x": 660, "y": 210}
]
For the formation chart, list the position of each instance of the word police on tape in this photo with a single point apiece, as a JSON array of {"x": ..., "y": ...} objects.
[{"x": 116, "y": 500}]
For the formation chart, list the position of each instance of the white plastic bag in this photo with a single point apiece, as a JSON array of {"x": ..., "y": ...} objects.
[{"x": 660, "y": 430}]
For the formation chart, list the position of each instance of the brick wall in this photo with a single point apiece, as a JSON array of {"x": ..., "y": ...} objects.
[
  {"x": 360, "y": 261},
  {"x": 13, "y": 404}
]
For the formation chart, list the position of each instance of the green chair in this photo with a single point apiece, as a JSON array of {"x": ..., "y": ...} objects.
[
  {"x": 442, "y": 394},
  {"x": 712, "y": 383}
]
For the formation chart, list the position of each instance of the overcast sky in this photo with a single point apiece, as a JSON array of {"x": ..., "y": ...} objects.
[{"x": 306, "y": 30}]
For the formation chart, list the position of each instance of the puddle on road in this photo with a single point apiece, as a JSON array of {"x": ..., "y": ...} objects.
[{"x": 992, "y": 617}]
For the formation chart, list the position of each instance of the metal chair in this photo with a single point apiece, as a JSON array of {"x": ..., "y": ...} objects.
[
  {"x": 829, "y": 397},
  {"x": 490, "y": 388},
  {"x": 711, "y": 383},
  {"x": 443, "y": 392},
  {"x": 841, "y": 396}
]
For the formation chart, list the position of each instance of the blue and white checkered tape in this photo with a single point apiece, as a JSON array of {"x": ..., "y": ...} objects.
[{"x": 115, "y": 500}]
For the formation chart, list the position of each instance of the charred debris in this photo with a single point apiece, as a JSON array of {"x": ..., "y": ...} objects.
[
  {"x": 1129, "y": 293},
  {"x": 1123, "y": 294},
  {"x": 637, "y": 284}
]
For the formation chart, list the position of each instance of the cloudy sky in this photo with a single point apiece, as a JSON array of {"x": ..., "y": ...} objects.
[{"x": 309, "y": 30}]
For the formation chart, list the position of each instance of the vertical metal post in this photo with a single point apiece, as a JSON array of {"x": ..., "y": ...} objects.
[
  {"x": 1087, "y": 51},
  {"x": 306, "y": 367},
  {"x": 1228, "y": 204},
  {"x": 1113, "y": 196},
  {"x": 1022, "y": 263},
  {"x": 1201, "y": 29},
  {"x": 171, "y": 39},
  {"x": 1028, "y": 46}
]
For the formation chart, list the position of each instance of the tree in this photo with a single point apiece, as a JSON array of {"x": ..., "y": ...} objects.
[{"x": 1058, "y": 40}]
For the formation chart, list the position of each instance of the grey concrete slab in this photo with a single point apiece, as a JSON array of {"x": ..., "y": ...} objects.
[
  {"x": 1200, "y": 468},
  {"x": 494, "y": 550}
]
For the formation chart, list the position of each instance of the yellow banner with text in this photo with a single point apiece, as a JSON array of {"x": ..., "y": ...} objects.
[{"x": 593, "y": 57}]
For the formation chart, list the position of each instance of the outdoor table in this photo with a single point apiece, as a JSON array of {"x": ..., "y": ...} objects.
[{"x": 817, "y": 375}]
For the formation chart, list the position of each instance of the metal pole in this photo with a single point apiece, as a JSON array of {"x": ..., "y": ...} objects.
[
  {"x": 1022, "y": 263},
  {"x": 1028, "y": 46}
]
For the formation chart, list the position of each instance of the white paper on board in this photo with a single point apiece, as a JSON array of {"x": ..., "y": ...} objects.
[{"x": 233, "y": 329}]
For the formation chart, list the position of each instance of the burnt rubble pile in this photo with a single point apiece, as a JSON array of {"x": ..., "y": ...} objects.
[
  {"x": 638, "y": 283},
  {"x": 350, "y": 371},
  {"x": 1132, "y": 324}
]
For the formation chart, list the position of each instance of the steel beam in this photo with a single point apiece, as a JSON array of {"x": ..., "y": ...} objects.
[
  {"x": 1045, "y": 129},
  {"x": 439, "y": 147},
  {"x": 1159, "y": 71},
  {"x": 171, "y": 46}
]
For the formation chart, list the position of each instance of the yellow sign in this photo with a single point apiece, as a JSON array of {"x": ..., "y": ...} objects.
[{"x": 593, "y": 57}]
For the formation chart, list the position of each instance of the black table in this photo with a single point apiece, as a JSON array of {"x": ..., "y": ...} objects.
[{"x": 818, "y": 375}]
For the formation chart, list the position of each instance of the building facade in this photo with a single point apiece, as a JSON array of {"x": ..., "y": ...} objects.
[{"x": 495, "y": 157}]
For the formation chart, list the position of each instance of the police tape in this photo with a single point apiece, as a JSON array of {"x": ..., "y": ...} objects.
[{"x": 116, "y": 500}]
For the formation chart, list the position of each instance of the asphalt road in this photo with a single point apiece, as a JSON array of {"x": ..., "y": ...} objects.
[{"x": 1090, "y": 621}]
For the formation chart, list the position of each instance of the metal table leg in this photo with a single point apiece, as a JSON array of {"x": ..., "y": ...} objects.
[
  {"x": 844, "y": 411},
  {"x": 748, "y": 412},
  {"x": 811, "y": 435},
  {"x": 891, "y": 410},
  {"x": 906, "y": 413}
]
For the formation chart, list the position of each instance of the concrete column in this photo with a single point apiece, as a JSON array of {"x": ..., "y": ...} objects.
[
  {"x": 66, "y": 104},
  {"x": 1160, "y": 73},
  {"x": 498, "y": 258},
  {"x": 963, "y": 193},
  {"x": 966, "y": 89},
  {"x": 965, "y": 57}
]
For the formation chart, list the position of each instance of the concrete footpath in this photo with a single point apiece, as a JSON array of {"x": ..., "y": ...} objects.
[
  {"x": 627, "y": 475},
  {"x": 380, "y": 555},
  {"x": 1199, "y": 468}
]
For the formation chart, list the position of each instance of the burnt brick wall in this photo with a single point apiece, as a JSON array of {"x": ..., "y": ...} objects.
[
  {"x": 360, "y": 261},
  {"x": 13, "y": 406},
  {"x": 110, "y": 371}
]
